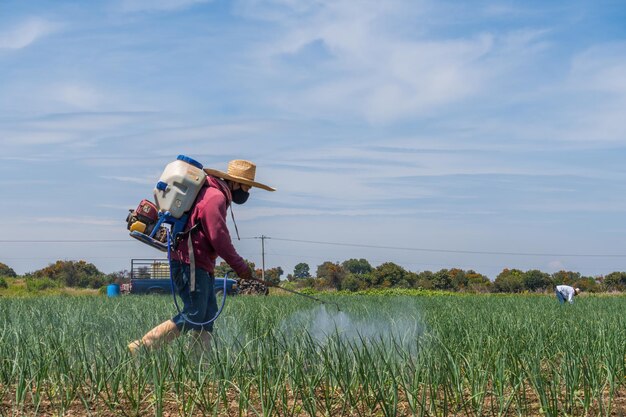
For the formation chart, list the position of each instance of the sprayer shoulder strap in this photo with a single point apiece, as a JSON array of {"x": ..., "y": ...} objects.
[
  {"x": 187, "y": 233},
  {"x": 192, "y": 258},
  {"x": 192, "y": 264}
]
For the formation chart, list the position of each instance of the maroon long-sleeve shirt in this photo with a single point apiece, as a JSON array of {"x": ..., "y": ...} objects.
[{"x": 213, "y": 238}]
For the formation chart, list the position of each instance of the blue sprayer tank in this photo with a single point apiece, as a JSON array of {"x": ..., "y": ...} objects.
[{"x": 113, "y": 290}]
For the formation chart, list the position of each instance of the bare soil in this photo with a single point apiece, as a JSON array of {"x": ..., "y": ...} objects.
[{"x": 333, "y": 403}]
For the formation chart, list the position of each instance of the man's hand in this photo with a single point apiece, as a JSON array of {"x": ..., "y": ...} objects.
[{"x": 246, "y": 275}]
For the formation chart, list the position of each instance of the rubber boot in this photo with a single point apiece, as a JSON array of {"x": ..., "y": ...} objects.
[{"x": 161, "y": 334}]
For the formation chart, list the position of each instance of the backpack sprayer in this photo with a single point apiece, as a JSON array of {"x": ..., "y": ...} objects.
[
  {"x": 174, "y": 196},
  {"x": 157, "y": 224}
]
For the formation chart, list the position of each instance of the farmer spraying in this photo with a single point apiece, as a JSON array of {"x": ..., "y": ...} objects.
[
  {"x": 206, "y": 233},
  {"x": 566, "y": 293}
]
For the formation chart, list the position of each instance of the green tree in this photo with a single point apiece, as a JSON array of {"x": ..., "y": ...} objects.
[
  {"x": 118, "y": 277},
  {"x": 72, "y": 274},
  {"x": 353, "y": 282},
  {"x": 535, "y": 280},
  {"x": 307, "y": 282},
  {"x": 425, "y": 280},
  {"x": 509, "y": 280},
  {"x": 301, "y": 270},
  {"x": 442, "y": 280},
  {"x": 410, "y": 280},
  {"x": 357, "y": 266},
  {"x": 564, "y": 277},
  {"x": 478, "y": 282},
  {"x": 6, "y": 271},
  {"x": 223, "y": 268},
  {"x": 388, "y": 275},
  {"x": 615, "y": 281},
  {"x": 272, "y": 275},
  {"x": 588, "y": 284},
  {"x": 458, "y": 278},
  {"x": 331, "y": 273}
]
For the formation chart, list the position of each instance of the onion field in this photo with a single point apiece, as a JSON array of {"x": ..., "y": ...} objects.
[{"x": 437, "y": 355}]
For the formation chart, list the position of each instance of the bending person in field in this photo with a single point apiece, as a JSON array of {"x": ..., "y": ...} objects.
[
  {"x": 210, "y": 239},
  {"x": 566, "y": 293}
]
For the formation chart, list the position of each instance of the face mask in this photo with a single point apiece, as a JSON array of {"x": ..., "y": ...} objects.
[{"x": 240, "y": 196}]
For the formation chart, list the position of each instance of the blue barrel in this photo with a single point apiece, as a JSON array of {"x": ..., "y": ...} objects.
[{"x": 113, "y": 290}]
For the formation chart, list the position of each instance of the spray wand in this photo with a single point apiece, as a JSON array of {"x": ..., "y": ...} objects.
[{"x": 269, "y": 284}]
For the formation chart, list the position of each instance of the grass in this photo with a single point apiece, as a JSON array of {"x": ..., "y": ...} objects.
[
  {"x": 17, "y": 287},
  {"x": 381, "y": 355}
]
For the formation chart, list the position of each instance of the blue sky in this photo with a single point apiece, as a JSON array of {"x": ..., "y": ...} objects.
[{"x": 456, "y": 126}]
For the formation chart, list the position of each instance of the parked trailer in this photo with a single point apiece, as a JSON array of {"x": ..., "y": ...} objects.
[{"x": 152, "y": 276}]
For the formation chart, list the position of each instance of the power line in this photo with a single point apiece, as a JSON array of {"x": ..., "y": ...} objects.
[
  {"x": 66, "y": 241},
  {"x": 39, "y": 258},
  {"x": 380, "y": 261},
  {"x": 359, "y": 245}
]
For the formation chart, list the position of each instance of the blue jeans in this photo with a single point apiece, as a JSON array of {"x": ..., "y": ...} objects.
[
  {"x": 198, "y": 306},
  {"x": 560, "y": 297}
]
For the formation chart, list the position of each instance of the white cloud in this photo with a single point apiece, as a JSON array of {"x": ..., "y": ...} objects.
[
  {"x": 133, "y": 180},
  {"x": 415, "y": 77},
  {"x": 207, "y": 132},
  {"x": 591, "y": 100},
  {"x": 77, "y": 96},
  {"x": 600, "y": 68},
  {"x": 157, "y": 5},
  {"x": 63, "y": 128},
  {"x": 11, "y": 183},
  {"x": 616, "y": 205},
  {"x": 387, "y": 71},
  {"x": 77, "y": 220},
  {"x": 86, "y": 121},
  {"x": 556, "y": 266},
  {"x": 279, "y": 212},
  {"x": 21, "y": 158},
  {"x": 367, "y": 163},
  {"x": 29, "y": 137},
  {"x": 51, "y": 94},
  {"x": 26, "y": 33}
]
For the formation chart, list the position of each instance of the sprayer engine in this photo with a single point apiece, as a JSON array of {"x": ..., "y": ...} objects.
[{"x": 143, "y": 220}]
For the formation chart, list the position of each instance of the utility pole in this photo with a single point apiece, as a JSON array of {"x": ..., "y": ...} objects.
[
  {"x": 263, "y": 257},
  {"x": 262, "y": 237}
]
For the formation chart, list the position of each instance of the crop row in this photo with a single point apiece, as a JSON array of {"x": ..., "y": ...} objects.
[{"x": 425, "y": 356}]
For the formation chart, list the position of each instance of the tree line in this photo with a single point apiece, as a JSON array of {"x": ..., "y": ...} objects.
[
  {"x": 359, "y": 274},
  {"x": 77, "y": 274},
  {"x": 349, "y": 275}
]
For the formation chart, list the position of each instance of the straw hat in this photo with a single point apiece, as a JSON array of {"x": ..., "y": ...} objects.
[{"x": 239, "y": 171}]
